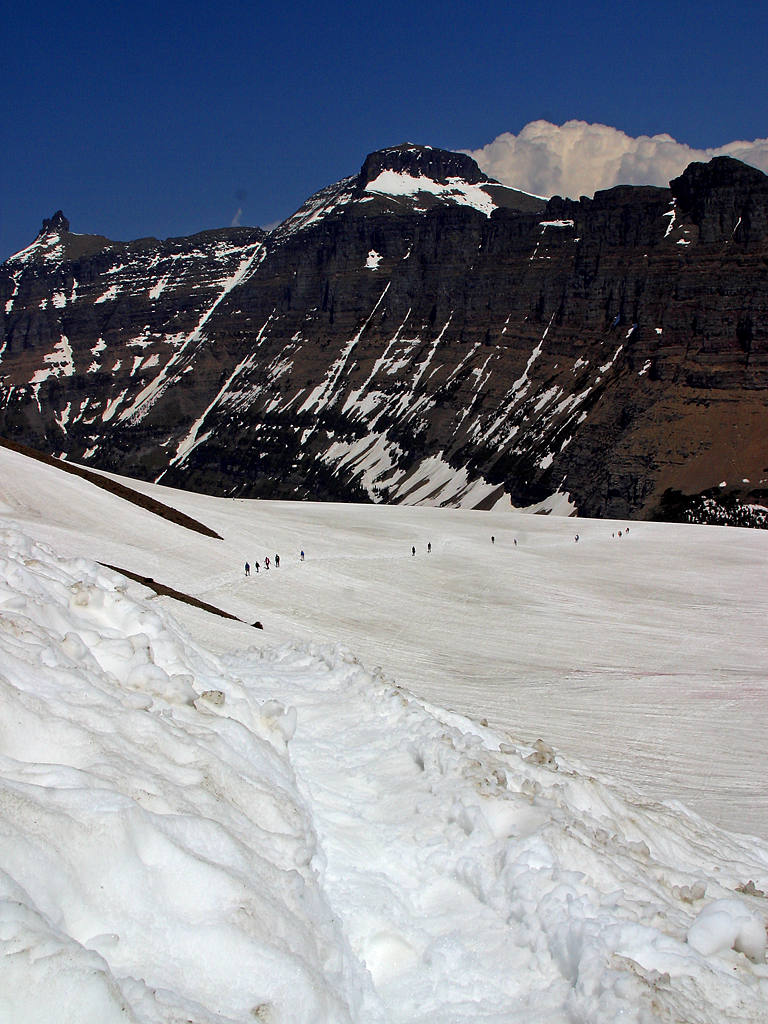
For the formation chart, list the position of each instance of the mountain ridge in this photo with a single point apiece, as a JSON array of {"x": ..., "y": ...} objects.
[{"x": 412, "y": 336}]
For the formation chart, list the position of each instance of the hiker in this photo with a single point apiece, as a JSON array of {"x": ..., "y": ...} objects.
[
  {"x": 247, "y": 569},
  {"x": 413, "y": 551},
  {"x": 266, "y": 561},
  {"x": 302, "y": 556},
  {"x": 256, "y": 566},
  {"x": 576, "y": 538},
  {"x": 493, "y": 539},
  {"x": 429, "y": 546},
  {"x": 277, "y": 561},
  {"x": 515, "y": 541}
]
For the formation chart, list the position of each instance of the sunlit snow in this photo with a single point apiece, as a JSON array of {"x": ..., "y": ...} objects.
[
  {"x": 401, "y": 183},
  {"x": 111, "y": 293},
  {"x": 314, "y": 821},
  {"x": 58, "y": 363}
]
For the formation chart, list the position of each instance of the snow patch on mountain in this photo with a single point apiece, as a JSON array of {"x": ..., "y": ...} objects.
[
  {"x": 435, "y": 482},
  {"x": 111, "y": 293},
  {"x": 401, "y": 183},
  {"x": 58, "y": 363},
  {"x": 369, "y": 460},
  {"x": 325, "y": 391},
  {"x": 48, "y": 247},
  {"x": 317, "y": 207},
  {"x": 194, "y": 437},
  {"x": 250, "y": 258}
]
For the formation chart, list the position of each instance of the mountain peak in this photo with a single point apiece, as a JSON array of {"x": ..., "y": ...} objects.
[
  {"x": 55, "y": 225},
  {"x": 722, "y": 197},
  {"x": 421, "y": 161},
  {"x": 719, "y": 172}
]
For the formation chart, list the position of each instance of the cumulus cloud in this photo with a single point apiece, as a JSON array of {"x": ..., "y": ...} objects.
[{"x": 578, "y": 158}]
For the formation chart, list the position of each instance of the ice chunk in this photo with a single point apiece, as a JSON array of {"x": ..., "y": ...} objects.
[{"x": 728, "y": 924}]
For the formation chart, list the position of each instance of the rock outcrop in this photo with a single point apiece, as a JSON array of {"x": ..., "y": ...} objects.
[{"x": 415, "y": 333}]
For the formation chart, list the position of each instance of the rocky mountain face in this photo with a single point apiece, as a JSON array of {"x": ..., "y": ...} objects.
[{"x": 416, "y": 333}]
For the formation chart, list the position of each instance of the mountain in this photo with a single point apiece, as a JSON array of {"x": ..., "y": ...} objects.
[{"x": 416, "y": 333}]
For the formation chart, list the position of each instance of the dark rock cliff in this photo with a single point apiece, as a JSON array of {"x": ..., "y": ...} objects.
[{"x": 415, "y": 333}]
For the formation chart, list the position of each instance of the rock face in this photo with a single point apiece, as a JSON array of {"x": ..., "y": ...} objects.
[{"x": 416, "y": 333}]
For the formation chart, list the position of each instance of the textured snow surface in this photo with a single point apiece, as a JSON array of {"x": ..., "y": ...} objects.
[
  {"x": 205, "y": 822},
  {"x": 156, "y": 853}
]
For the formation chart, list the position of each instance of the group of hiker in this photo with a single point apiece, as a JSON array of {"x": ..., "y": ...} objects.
[
  {"x": 267, "y": 563},
  {"x": 493, "y": 541}
]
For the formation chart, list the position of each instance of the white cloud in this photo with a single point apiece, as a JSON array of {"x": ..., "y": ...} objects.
[{"x": 578, "y": 158}]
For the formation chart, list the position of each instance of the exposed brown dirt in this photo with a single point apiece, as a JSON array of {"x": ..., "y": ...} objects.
[{"x": 163, "y": 591}]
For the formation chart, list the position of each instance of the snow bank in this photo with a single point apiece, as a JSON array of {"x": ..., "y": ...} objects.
[
  {"x": 156, "y": 856},
  {"x": 728, "y": 924},
  {"x": 488, "y": 881}
]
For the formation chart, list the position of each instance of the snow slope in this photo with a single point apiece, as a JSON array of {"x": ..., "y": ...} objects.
[
  {"x": 619, "y": 652},
  {"x": 206, "y": 822}
]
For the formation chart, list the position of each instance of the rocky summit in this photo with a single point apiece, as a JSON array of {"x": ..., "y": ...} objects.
[{"x": 416, "y": 333}]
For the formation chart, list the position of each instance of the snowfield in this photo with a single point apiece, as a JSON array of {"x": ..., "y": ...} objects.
[{"x": 205, "y": 822}]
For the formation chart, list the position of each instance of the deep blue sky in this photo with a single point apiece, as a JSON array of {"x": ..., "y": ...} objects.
[{"x": 164, "y": 118}]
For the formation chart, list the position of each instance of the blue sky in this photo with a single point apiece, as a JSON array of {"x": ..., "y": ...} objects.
[{"x": 166, "y": 118}]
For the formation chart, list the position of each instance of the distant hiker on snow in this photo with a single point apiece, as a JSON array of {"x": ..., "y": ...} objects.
[
  {"x": 266, "y": 561},
  {"x": 493, "y": 539},
  {"x": 256, "y": 566},
  {"x": 429, "y": 546},
  {"x": 302, "y": 556},
  {"x": 413, "y": 551},
  {"x": 247, "y": 569},
  {"x": 277, "y": 561}
]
